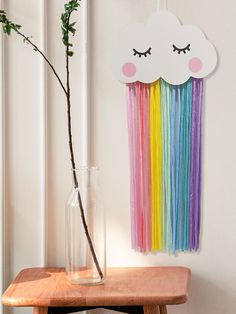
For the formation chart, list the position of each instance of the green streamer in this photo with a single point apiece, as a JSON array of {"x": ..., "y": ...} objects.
[{"x": 167, "y": 212}]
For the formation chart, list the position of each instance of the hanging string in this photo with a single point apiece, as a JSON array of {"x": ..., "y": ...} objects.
[{"x": 161, "y": 4}]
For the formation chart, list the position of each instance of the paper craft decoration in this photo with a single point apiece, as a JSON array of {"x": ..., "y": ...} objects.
[{"x": 163, "y": 64}]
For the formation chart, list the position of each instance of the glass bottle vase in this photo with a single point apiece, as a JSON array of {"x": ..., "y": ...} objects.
[{"x": 85, "y": 229}]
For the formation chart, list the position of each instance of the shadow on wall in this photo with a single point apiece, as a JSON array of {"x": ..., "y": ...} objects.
[{"x": 205, "y": 297}]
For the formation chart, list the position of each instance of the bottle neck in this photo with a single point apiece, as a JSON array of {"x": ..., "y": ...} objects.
[{"x": 84, "y": 177}]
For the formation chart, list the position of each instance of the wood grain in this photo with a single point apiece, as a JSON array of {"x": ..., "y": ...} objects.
[
  {"x": 163, "y": 309},
  {"x": 44, "y": 287},
  {"x": 40, "y": 310}
]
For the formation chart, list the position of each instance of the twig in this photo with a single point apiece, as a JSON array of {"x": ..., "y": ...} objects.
[
  {"x": 73, "y": 161},
  {"x": 45, "y": 58}
]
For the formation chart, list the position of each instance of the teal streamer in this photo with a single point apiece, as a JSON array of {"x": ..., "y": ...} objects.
[
  {"x": 180, "y": 156},
  {"x": 181, "y": 161},
  {"x": 173, "y": 162},
  {"x": 183, "y": 196},
  {"x": 181, "y": 166},
  {"x": 177, "y": 152}
]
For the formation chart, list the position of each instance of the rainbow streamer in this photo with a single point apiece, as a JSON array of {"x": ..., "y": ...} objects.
[{"x": 165, "y": 130}]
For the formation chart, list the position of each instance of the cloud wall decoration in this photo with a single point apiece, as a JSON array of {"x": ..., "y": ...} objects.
[
  {"x": 163, "y": 48},
  {"x": 163, "y": 64}
]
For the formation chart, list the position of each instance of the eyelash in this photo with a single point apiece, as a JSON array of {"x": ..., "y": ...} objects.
[
  {"x": 140, "y": 54},
  {"x": 181, "y": 50}
]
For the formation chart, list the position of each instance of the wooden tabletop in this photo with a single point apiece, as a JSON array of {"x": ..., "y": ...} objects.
[{"x": 45, "y": 287}]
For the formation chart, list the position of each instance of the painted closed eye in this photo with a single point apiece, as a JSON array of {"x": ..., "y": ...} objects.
[
  {"x": 181, "y": 50},
  {"x": 140, "y": 54}
]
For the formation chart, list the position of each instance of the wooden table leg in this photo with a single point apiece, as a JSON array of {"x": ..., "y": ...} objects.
[
  {"x": 40, "y": 310},
  {"x": 163, "y": 309},
  {"x": 151, "y": 309}
]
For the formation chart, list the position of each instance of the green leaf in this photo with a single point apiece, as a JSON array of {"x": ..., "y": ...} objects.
[
  {"x": 67, "y": 27},
  {"x": 72, "y": 24},
  {"x": 3, "y": 19},
  {"x": 72, "y": 30},
  {"x": 7, "y": 29},
  {"x": 70, "y": 53}
]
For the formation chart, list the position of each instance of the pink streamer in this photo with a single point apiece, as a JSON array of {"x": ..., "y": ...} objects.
[
  {"x": 131, "y": 128},
  {"x": 139, "y": 168},
  {"x": 139, "y": 143}
]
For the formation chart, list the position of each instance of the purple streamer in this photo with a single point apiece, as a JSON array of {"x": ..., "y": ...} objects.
[{"x": 195, "y": 170}]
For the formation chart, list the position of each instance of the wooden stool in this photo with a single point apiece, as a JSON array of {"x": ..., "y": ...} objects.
[{"x": 139, "y": 290}]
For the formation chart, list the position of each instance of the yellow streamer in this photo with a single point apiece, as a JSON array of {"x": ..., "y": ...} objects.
[{"x": 156, "y": 164}]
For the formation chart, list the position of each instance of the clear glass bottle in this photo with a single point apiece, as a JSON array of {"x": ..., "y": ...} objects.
[{"x": 85, "y": 230}]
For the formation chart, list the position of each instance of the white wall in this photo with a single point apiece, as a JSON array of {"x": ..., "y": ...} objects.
[{"x": 37, "y": 178}]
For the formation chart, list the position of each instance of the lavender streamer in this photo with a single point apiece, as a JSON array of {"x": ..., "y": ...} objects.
[{"x": 195, "y": 172}]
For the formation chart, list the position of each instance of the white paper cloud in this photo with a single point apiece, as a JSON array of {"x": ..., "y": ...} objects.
[{"x": 163, "y": 48}]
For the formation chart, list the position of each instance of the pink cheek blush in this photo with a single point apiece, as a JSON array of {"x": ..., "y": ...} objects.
[
  {"x": 129, "y": 69},
  {"x": 195, "y": 65}
]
